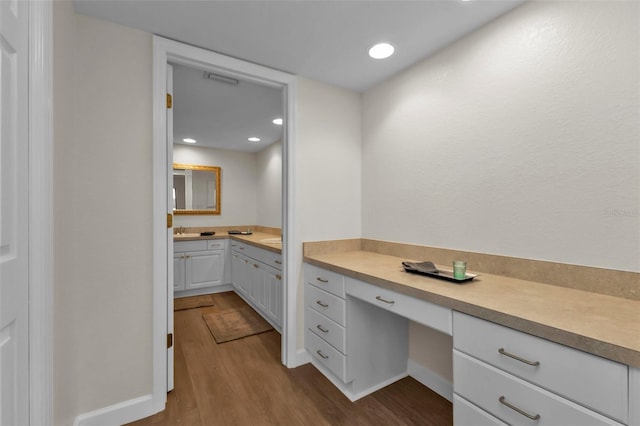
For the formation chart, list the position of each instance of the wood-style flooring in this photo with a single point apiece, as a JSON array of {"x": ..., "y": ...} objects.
[{"x": 243, "y": 382}]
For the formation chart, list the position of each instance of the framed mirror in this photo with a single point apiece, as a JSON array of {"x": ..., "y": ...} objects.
[{"x": 196, "y": 189}]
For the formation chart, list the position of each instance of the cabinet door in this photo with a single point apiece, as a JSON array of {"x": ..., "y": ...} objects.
[
  {"x": 179, "y": 271},
  {"x": 237, "y": 272},
  {"x": 273, "y": 281},
  {"x": 205, "y": 268}
]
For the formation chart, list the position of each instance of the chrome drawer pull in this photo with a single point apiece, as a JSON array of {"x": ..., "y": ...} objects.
[
  {"x": 517, "y": 358},
  {"x": 504, "y": 401},
  {"x": 324, "y": 330},
  {"x": 324, "y": 305},
  {"x": 322, "y": 280},
  {"x": 319, "y": 352},
  {"x": 390, "y": 302}
]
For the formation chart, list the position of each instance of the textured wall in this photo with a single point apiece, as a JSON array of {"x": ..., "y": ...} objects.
[
  {"x": 102, "y": 217},
  {"x": 520, "y": 140},
  {"x": 327, "y": 183}
]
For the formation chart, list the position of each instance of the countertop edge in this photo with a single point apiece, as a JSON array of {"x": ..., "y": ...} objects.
[{"x": 571, "y": 339}]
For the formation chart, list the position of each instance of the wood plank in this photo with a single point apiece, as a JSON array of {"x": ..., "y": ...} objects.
[{"x": 243, "y": 382}]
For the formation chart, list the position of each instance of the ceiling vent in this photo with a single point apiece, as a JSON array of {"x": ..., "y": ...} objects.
[{"x": 222, "y": 78}]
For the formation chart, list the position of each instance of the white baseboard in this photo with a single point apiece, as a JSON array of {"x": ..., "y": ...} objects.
[
  {"x": 433, "y": 381},
  {"x": 118, "y": 414},
  {"x": 302, "y": 357}
]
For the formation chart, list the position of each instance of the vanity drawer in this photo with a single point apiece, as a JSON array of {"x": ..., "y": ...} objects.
[
  {"x": 468, "y": 414},
  {"x": 587, "y": 379},
  {"x": 421, "y": 311},
  {"x": 327, "y": 280},
  {"x": 215, "y": 244},
  {"x": 327, "y": 355},
  {"x": 184, "y": 246},
  {"x": 328, "y": 304},
  {"x": 503, "y": 395},
  {"x": 328, "y": 330},
  {"x": 272, "y": 259}
]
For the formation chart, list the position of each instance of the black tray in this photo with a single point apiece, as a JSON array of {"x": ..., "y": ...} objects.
[{"x": 442, "y": 275}]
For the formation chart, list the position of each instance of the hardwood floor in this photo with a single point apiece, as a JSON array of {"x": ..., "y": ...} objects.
[{"x": 243, "y": 382}]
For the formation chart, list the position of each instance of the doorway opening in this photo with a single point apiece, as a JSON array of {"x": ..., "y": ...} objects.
[{"x": 169, "y": 52}]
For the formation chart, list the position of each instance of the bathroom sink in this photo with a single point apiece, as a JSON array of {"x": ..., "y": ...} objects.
[
  {"x": 191, "y": 235},
  {"x": 277, "y": 240}
]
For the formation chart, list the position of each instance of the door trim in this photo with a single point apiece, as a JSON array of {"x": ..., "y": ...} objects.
[
  {"x": 40, "y": 212},
  {"x": 165, "y": 51}
]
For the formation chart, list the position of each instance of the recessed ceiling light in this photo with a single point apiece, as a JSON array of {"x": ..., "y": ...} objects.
[
  {"x": 189, "y": 140},
  {"x": 254, "y": 139},
  {"x": 381, "y": 51},
  {"x": 278, "y": 121}
]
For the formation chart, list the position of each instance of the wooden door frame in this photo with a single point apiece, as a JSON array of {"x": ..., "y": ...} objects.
[
  {"x": 165, "y": 51},
  {"x": 40, "y": 212}
]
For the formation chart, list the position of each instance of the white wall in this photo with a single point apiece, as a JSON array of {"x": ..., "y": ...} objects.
[
  {"x": 327, "y": 184},
  {"x": 269, "y": 186},
  {"x": 238, "y": 179},
  {"x": 102, "y": 218},
  {"x": 519, "y": 140}
]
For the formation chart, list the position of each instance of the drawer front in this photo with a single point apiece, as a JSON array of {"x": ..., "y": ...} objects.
[
  {"x": 514, "y": 400},
  {"x": 326, "y": 280},
  {"x": 415, "y": 309},
  {"x": 272, "y": 259},
  {"x": 328, "y": 330},
  {"x": 215, "y": 244},
  {"x": 327, "y": 355},
  {"x": 595, "y": 382},
  {"x": 328, "y": 304},
  {"x": 184, "y": 246},
  {"x": 467, "y": 414}
]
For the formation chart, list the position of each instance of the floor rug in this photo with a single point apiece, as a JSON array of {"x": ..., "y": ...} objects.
[
  {"x": 183, "y": 303},
  {"x": 235, "y": 324}
]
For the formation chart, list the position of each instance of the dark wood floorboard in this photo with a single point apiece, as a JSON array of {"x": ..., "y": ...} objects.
[{"x": 243, "y": 382}]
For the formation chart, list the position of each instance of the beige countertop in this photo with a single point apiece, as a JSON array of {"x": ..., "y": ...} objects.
[
  {"x": 603, "y": 325},
  {"x": 258, "y": 239}
]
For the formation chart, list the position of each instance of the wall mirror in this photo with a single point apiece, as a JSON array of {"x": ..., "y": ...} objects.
[{"x": 196, "y": 189}]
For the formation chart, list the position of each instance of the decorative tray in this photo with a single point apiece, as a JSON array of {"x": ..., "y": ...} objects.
[{"x": 428, "y": 269}]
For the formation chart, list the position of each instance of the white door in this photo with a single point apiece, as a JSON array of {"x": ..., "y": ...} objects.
[
  {"x": 169, "y": 229},
  {"x": 14, "y": 214}
]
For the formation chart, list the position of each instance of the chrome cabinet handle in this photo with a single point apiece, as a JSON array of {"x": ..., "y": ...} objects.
[
  {"x": 322, "y": 280},
  {"x": 319, "y": 352},
  {"x": 324, "y": 330},
  {"x": 501, "y": 351},
  {"x": 390, "y": 302},
  {"x": 506, "y": 403},
  {"x": 324, "y": 305}
]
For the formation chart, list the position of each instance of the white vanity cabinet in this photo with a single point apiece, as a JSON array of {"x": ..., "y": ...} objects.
[
  {"x": 198, "y": 265},
  {"x": 518, "y": 378},
  {"x": 256, "y": 275}
]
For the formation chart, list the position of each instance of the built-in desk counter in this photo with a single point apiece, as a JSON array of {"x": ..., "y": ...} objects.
[
  {"x": 596, "y": 324},
  {"x": 603, "y": 325}
]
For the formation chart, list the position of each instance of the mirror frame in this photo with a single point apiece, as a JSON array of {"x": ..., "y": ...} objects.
[{"x": 216, "y": 171}]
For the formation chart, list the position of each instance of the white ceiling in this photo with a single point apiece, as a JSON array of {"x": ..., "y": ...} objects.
[
  {"x": 223, "y": 115},
  {"x": 323, "y": 40}
]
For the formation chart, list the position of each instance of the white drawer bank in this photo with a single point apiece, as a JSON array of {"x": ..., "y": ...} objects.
[
  {"x": 520, "y": 378},
  {"x": 492, "y": 363},
  {"x": 354, "y": 334}
]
